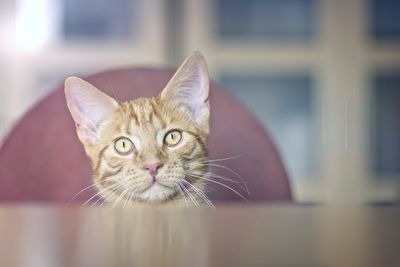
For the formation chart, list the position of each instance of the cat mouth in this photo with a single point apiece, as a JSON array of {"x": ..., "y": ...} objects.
[
  {"x": 156, "y": 192},
  {"x": 156, "y": 184}
]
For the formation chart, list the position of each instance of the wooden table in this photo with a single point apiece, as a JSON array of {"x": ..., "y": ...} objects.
[{"x": 266, "y": 235}]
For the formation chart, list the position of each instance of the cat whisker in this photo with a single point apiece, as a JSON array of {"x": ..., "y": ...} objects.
[
  {"x": 92, "y": 197},
  {"x": 178, "y": 186},
  {"x": 120, "y": 197},
  {"x": 183, "y": 192},
  {"x": 99, "y": 194},
  {"x": 97, "y": 201},
  {"x": 193, "y": 199},
  {"x": 103, "y": 197},
  {"x": 222, "y": 184},
  {"x": 213, "y": 175},
  {"x": 130, "y": 196},
  {"x": 217, "y": 159},
  {"x": 109, "y": 193},
  {"x": 85, "y": 189},
  {"x": 224, "y": 159},
  {"x": 129, "y": 189},
  {"x": 243, "y": 186},
  {"x": 128, "y": 199},
  {"x": 228, "y": 169},
  {"x": 200, "y": 193},
  {"x": 94, "y": 183}
]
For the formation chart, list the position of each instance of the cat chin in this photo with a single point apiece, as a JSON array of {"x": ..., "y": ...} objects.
[{"x": 157, "y": 193}]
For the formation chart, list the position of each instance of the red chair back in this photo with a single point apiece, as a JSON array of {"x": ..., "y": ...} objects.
[{"x": 43, "y": 160}]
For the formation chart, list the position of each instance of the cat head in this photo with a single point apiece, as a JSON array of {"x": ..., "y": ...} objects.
[{"x": 146, "y": 149}]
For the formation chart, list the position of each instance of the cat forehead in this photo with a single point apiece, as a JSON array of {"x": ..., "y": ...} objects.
[
  {"x": 140, "y": 113},
  {"x": 148, "y": 114},
  {"x": 141, "y": 108}
]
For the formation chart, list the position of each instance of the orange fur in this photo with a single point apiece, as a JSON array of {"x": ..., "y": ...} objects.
[{"x": 121, "y": 179}]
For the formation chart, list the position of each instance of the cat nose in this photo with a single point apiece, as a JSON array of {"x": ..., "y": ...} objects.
[{"x": 153, "y": 167}]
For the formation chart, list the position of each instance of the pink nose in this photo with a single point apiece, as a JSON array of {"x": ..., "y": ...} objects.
[{"x": 153, "y": 168}]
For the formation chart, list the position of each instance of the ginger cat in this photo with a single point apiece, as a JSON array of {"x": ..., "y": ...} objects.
[{"x": 147, "y": 150}]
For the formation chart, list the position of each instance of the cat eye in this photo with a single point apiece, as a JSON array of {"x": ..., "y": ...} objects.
[
  {"x": 123, "y": 146},
  {"x": 173, "y": 137}
]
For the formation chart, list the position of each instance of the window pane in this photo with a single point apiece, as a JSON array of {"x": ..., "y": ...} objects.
[
  {"x": 97, "y": 19},
  {"x": 385, "y": 19},
  {"x": 278, "y": 19},
  {"x": 283, "y": 104},
  {"x": 386, "y": 125}
]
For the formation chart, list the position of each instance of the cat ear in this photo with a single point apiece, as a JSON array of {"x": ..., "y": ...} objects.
[
  {"x": 189, "y": 87},
  {"x": 89, "y": 108}
]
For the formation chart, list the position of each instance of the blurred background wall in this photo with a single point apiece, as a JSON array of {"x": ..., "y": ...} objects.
[{"x": 322, "y": 75}]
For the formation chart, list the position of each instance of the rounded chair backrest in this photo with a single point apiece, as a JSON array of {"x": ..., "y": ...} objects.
[{"x": 43, "y": 160}]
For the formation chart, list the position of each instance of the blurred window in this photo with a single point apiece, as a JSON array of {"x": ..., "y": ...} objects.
[
  {"x": 98, "y": 19},
  {"x": 385, "y": 15},
  {"x": 278, "y": 19},
  {"x": 386, "y": 124},
  {"x": 283, "y": 104}
]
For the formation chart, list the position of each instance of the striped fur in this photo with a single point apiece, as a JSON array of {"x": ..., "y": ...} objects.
[
  {"x": 148, "y": 119},
  {"x": 122, "y": 179}
]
